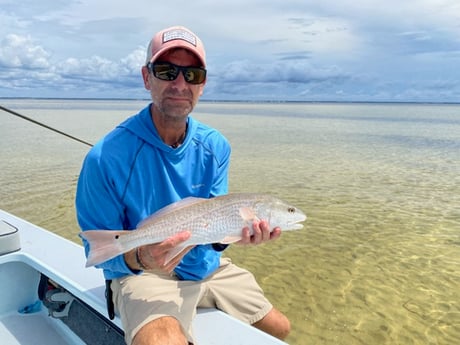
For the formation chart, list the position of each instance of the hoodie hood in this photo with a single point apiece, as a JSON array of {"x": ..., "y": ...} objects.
[{"x": 141, "y": 125}]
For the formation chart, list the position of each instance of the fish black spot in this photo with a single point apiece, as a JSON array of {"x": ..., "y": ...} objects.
[{"x": 117, "y": 237}]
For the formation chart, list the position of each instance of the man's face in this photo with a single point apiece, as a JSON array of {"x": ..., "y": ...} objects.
[{"x": 176, "y": 98}]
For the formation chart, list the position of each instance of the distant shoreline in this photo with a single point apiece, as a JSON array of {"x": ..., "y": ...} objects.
[{"x": 235, "y": 101}]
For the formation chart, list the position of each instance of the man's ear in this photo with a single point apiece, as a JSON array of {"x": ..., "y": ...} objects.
[
  {"x": 145, "y": 77},
  {"x": 202, "y": 87}
]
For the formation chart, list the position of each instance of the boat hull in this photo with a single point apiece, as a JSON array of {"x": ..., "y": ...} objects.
[{"x": 47, "y": 296}]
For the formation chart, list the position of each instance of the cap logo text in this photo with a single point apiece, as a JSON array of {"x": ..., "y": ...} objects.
[{"x": 179, "y": 34}]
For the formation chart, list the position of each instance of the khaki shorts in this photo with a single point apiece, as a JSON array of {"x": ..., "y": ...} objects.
[{"x": 151, "y": 295}]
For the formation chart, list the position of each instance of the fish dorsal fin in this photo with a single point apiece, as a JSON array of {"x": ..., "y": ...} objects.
[{"x": 186, "y": 202}]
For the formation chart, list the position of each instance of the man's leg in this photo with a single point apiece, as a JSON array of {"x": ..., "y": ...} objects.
[
  {"x": 164, "y": 331},
  {"x": 235, "y": 291},
  {"x": 274, "y": 323},
  {"x": 154, "y": 307}
]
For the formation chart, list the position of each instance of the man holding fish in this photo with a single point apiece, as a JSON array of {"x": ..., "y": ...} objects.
[{"x": 165, "y": 265}]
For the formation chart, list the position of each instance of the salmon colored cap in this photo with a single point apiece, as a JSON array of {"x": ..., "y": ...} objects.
[{"x": 175, "y": 37}]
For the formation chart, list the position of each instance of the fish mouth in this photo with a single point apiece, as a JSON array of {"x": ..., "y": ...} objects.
[{"x": 295, "y": 226}]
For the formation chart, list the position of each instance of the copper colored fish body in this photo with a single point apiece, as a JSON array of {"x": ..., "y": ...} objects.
[{"x": 216, "y": 220}]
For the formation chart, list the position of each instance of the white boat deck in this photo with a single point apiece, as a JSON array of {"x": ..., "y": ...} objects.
[
  {"x": 64, "y": 262},
  {"x": 18, "y": 286}
]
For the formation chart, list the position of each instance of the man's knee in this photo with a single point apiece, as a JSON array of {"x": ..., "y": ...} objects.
[
  {"x": 165, "y": 330},
  {"x": 275, "y": 323}
]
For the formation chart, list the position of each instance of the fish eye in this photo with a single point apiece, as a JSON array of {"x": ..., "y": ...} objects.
[{"x": 291, "y": 210}]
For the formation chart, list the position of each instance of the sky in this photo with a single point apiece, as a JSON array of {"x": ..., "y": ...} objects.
[{"x": 278, "y": 50}]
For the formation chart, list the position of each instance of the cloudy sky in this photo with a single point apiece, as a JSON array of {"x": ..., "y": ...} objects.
[{"x": 304, "y": 50}]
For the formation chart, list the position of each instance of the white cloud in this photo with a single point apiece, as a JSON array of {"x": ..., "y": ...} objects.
[
  {"x": 282, "y": 49},
  {"x": 19, "y": 51},
  {"x": 130, "y": 65},
  {"x": 281, "y": 71},
  {"x": 94, "y": 67}
]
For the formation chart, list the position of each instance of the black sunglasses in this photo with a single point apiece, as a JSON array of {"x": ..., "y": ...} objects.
[{"x": 169, "y": 71}]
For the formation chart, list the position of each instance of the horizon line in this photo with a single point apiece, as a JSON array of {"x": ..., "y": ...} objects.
[{"x": 234, "y": 101}]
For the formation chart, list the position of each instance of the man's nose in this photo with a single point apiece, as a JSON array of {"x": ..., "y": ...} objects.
[{"x": 180, "y": 82}]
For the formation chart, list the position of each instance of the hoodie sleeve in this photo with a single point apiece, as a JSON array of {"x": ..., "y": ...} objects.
[
  {"x": 222, "y": 156},
  {"x": 98, "y": 207},
  {"x": 220, "y": 185}
]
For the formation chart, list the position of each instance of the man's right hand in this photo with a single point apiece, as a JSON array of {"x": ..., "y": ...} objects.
[{"x": 154, "y": 256}]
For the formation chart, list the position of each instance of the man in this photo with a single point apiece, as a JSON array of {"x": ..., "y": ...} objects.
[{"x": 157, "y": 157}]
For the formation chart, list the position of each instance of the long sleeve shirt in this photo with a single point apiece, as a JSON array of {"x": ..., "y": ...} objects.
[{"x": 131, "y": 173}]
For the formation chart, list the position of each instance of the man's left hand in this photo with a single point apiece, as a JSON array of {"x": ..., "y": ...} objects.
[{"x": 261, "y": 233}]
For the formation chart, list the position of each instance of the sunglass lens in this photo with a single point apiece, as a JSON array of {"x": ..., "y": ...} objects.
[
  {"x": 168, "y": 71},
  {"x": 165, "y": 71},
  {"x": 194, "y": 75}
]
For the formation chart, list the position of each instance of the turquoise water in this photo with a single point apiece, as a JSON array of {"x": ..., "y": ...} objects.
[{"x": 378, "y": 260}]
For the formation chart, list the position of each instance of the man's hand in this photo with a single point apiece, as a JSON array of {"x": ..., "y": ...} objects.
[
  {"x": 261, "y": 233},
  {"x": 154, "y": 256}
]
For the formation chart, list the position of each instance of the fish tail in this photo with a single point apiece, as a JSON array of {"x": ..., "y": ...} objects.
[{"x": 103, "y": 245}]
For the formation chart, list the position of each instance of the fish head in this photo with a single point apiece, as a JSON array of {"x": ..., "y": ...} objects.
[{"x": 279, "y": 213}]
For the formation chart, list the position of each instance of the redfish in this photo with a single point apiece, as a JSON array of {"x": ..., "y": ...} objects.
[{"x": 216, "y": 220}]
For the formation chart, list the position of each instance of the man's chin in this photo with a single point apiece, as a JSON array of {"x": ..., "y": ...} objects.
[{"x": 178, "y": 109}]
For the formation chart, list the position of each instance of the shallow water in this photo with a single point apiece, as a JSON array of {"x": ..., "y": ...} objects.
[{"x": 378, "y": 260}]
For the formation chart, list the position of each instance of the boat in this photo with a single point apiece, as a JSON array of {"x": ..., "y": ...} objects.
[{"x": 47, "y": 296}]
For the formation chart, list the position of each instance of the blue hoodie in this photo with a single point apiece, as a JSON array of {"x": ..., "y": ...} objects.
[{"x": 131, "y": 173}]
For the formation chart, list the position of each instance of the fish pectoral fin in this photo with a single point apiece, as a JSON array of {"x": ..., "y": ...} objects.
[
  {"x": 248, "y": 214},
  {"x": 230, "y": 239},
  {"x": 173, "y": 253}
]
